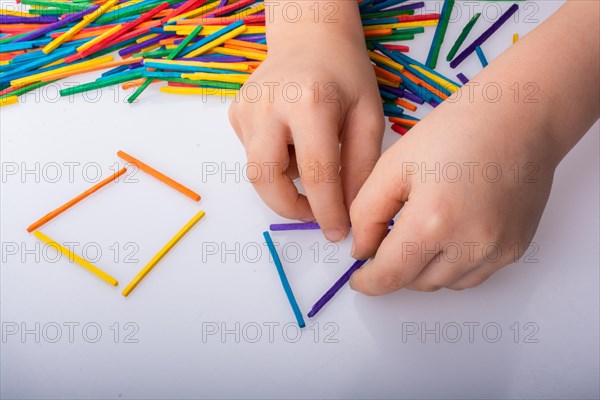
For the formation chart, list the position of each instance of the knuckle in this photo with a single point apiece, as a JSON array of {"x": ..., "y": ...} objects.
[
  {"x": 390, "y": 281},
  {"x": 314, "y": 171},
  {"x": 435, "y": 224}
]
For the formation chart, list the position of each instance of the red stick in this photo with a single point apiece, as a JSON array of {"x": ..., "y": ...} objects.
[
  {"x": 118, "y": 36},
  {"x": 397, "y": 47},
  {"x": 399, "y": 129},
  {"x": 230, "y": 7},
  {"x": 185, "y": 7},
  {"x": 413, "y": 18}
]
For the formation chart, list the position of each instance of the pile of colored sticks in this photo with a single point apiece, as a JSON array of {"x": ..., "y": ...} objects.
[{"x": 207, "y": 47}]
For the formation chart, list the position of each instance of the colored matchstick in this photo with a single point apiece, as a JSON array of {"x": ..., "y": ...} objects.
[
  {"x": 461, "y": 38},
  {"x": 481, "y": 56},
  {"x": 79, "y": 260},
  {"x": 5, "y": 101},
  {"x": 284, "y": 281},
  {"x": 87, "y": 19},
  {"x": 171, "y": 56},
  {"x": 76, "y": 200},
  {"x": 484, "y": 36},
  {"x": 159, "y": 175},
  {"x": 462, "y": 78},
  {"x": 161, "y": 253},
  {"x": 301, "y": 226},
  {"x": 440, "y": 33},
  {"x": 335, "y": 288}
]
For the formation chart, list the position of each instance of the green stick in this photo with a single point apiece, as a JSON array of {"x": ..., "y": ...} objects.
[
  {"x": 463, "y": 35},
  {"x": 171, "y": 56},
  {"x": 101, "y": 83},
  {"x": 440, "y": 32}
]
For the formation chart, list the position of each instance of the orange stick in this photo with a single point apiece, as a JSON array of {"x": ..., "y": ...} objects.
[
  {"x": 158, "y": 175},
  {"x": 402, "y": 121},
  {"x": 382, "y": 73},
  {"x": 243, "y": 43},
  {"x": 243, "y": 48},
  {"x": 166, "y": 42},
  {"x": 76, "y": 200},
  {"x": 250, "y": 63},
  {"x": 406, "y": 104},
  {"x": 132, "y": 84},
  {"x": 378, "y": 32}
]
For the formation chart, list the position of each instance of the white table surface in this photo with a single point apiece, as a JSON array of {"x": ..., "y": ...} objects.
[{"x": 220, "y": 275}]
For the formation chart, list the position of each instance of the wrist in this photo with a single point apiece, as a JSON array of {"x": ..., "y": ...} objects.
[{"x": 305, "y": 26}]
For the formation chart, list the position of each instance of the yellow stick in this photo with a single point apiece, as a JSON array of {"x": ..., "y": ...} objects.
[
  {"x": 8, "y": 100},
  {"x": 17, "y": 13},
  {"x": 205, "y": 76},
  {"x": 72, "y": 256},
  {"x": 515, "y": 38},
  {"x": 87, "y": 19},
  {"x": 447, "y": 85},
  {"x": 220, "y": 40},
  {"x": 386, "y": 61},
  {"x": 162, "y": 252},
  {"x": 183, "y": 30},
  {"x": 95, "y": 40},
  {"x": 216, "y": 65},
  {"x": 243, "y": 53},
  {"x": 38, "y": 77},
  {"x": 199, "y": 91},
  {"x": 147, "y": 37}
]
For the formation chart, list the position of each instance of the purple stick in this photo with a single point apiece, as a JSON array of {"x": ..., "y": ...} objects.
[
  {"x": 433, "y": 103},
  {"x": 395, "y": 91},
  {"x": 66, "y": 20},
  {"x": 298, "y": 226},
  {"x": 139, "y": 46},
  {"x": 302, "y": 226},
  {"x": 413, "y": 97},
  {"x": 484, "y": 36},
  {"x": 12, "y": 19},
  {"x": 462, "y": 78},
  {"x": 335, "y": 288}
]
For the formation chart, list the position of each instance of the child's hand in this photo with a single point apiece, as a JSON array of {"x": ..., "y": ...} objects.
[
  {"x": 494, "y": 147},
  {"x": 472, "y": 194},
  {"x": 318, "y": 90}
]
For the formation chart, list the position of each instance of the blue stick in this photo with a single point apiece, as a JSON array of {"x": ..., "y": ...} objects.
[
  {"x": 284, "y": 281},
  {"x": 481, "y": 56}
]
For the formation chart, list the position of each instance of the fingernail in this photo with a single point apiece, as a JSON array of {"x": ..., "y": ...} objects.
[
  {"x": 353, "y": 251},
  {"x": 334, "y": 234},
  {"x": 308, "y": 219}
]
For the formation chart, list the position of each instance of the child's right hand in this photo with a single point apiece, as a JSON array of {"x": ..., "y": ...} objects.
[{"x": 314, "y": 95}]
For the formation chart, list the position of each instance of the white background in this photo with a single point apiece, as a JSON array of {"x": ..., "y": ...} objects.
[{"x": 356, "y": 347}]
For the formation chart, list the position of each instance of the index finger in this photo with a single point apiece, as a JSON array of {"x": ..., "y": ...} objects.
[{"x": 316, "y": 140}]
